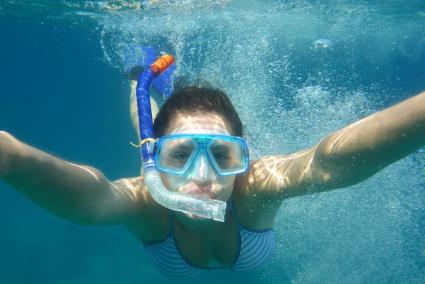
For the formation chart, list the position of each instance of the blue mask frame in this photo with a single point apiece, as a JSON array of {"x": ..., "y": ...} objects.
[{"x": 203, "y": 143}]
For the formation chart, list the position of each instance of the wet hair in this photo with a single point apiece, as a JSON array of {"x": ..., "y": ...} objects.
[{"x": 192, "y": 99}]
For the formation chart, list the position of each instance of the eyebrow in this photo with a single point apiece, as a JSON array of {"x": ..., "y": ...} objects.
[{"x": 183, "y": 146}]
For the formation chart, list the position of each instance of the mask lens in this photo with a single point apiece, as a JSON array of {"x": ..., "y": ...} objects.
[
  {"x": 228, "y": 155},
  {"x": 175, "y": 154}
]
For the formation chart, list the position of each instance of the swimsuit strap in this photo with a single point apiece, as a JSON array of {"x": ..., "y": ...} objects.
[
  {"x": 171, "y": 221},
  {"x": 231, "y": 205}
]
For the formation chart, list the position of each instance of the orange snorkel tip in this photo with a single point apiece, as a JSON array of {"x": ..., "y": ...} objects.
[{"x": 162, "y": 63}]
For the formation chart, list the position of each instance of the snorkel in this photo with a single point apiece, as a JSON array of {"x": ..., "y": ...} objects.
[{"x": 210, "y": 209}]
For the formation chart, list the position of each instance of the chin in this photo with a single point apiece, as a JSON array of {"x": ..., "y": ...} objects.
[
  {"x": 192, "y": 216},
  {"x": 195, "y": 218}
]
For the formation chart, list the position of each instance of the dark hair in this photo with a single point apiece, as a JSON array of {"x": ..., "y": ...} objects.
[{"x": 192, "y": 99}]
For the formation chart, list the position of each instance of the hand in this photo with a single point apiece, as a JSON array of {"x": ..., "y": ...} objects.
[{"x": 6, "y": 144}]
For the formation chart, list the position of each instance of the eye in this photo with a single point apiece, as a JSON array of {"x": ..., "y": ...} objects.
[
  {"x": 180, "y": 151},
  {"x": 180, "y": 155},
  {"x": 221, "y": 156}
]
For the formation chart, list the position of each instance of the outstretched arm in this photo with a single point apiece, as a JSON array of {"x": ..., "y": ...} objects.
[
  {"x": 341, "y": 159},
  {"x": 347, "y": 156},
  {"x": 76, "y": 192},
  {"x": 361, "y": 149}
]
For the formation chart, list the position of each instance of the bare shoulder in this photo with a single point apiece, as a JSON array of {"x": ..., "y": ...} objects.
[
  {"x": 149, "y": 219},
  {"x": 271, "y": 179},
  {"x": 132, "y": 188},
  {"x": 278, "y": 175}
]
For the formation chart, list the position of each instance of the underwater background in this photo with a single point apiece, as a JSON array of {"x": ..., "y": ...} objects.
[{"x": 296, "y": 70}]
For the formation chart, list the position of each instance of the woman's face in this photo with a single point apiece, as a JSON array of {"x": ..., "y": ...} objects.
[{"x": 204, "y": 180}]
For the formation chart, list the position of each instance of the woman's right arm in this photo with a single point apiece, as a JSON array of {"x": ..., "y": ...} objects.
[{"x": 76, "y": 192}]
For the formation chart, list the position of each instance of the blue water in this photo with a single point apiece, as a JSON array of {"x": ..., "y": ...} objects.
[{"x": 308, "y": 67}]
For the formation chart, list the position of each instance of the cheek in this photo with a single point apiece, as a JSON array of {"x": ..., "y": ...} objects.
[
  {"x": 226, "y": 182},
  {"x": 172, "y": 182}
]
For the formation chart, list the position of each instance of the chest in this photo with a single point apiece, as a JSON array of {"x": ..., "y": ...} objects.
[
  {"x": 220, "y": 248},
  {"x": 247, "y": 251}
]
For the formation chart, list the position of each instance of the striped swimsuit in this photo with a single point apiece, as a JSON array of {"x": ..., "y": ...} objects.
[{"x": 255, "y": 249}]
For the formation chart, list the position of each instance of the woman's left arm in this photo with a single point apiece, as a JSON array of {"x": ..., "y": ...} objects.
[
  {"x": 345, "y": 157},
  {"x": 341, "y": 159},
  {"x": 361, "y": 149}
]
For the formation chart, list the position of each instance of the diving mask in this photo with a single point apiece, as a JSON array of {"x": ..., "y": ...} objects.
[{"x": 176, "y": 154}]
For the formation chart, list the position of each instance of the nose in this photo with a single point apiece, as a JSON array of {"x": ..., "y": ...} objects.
[{"x": 202, "y": 172}]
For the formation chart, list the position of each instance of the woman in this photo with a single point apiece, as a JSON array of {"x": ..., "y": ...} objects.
[{"x": 182, "y": 243}]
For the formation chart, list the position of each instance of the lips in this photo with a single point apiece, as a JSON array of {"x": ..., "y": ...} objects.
[{"x": 202, "y": 192}]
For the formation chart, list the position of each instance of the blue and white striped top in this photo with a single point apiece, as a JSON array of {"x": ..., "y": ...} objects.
[{"x": 255, "y": 249}]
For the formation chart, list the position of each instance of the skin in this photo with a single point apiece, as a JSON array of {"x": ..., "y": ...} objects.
[{"x": 82, "y": 194}]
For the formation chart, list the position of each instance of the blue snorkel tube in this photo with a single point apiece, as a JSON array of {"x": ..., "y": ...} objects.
[{"x": 206, "y": 208}]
